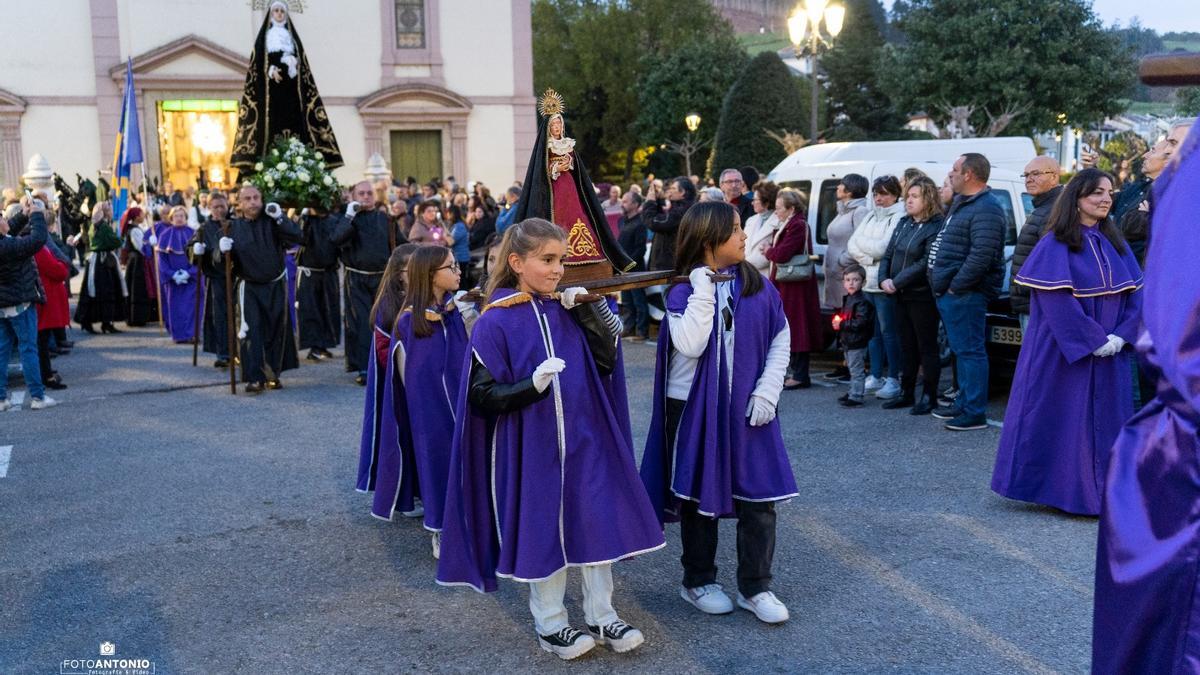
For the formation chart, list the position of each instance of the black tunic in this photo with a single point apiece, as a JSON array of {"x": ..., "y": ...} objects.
[
  {"x": 259, "y": 246},
  {"x": 211, "y": 264},
  {"x": 364, "y": 248},
  {"x": 317, "y": 289}
]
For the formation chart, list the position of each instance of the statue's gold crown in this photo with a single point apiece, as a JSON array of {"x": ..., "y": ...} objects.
[{"x": 551, "y": 103}]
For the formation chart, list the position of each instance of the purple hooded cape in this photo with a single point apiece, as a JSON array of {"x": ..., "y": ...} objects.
[
  {"x": 548, "y": 486},
  {"x": 289, "y": 268},
  {"x": 1067, "y": 406},
  {"x": 372, "y": 428},
  {"x": 718, "y": 456},
  {"x": 433, "y": 366},
  {"x": 1147, "y": 611},
  {"x": 178, "y": 300}
]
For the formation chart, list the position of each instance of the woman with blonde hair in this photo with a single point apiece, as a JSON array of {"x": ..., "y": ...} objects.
[{"x": 178, "y": 278}]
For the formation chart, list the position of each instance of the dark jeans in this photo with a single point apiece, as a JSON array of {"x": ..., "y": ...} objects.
[
  {"x": 639, "y": 310},
  {"x": 917, "y": 320},
  {"x": 964, "y": 316},
  {"x": 43, "y": 346},
  {"x": 698, "y": 534}
]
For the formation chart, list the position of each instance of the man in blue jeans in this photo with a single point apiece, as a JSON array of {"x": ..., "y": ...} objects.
[
  {"x": 966, "y": 270},
  {"x": 20, "y": 293}
]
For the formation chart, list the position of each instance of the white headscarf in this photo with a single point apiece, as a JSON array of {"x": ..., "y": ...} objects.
[{"x": 279, "y": 39}]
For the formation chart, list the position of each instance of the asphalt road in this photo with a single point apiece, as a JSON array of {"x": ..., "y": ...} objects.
[{"x": 211, "y": 533}]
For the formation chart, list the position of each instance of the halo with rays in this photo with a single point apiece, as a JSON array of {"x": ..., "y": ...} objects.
[{"x": 551, "y": 103}]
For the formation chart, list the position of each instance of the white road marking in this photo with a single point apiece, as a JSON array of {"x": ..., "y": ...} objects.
[{"x": 5, "y": 454}]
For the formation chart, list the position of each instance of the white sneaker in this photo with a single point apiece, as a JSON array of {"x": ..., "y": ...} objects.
[
  {"x": 765, "y": 606},
  {"x": 890, "y": 388},
  {"x": 437, "y": 545},
  {"x": 5, "y": 404},
  {"x": 43, "y": 402},
  {"x": 710, "y": 599},
  {"x": 417, "y": 512},
  {"x": 873, "y": 383},
  {"x": 567, "y": 643},
  {"x": 618, "y": 635}
]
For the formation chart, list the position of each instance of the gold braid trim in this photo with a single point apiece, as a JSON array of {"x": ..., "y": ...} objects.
[{"x": 511, "y": 301}]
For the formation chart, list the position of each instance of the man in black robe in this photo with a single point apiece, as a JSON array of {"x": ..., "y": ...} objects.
[
  {"x": 319, "y": 312},
  {"x": 206, "y": 255},
  {"x": 365, "y": 237},
  {"x": 257, "y": 241}
]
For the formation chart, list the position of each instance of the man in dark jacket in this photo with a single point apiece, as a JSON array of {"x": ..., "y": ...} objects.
[
  {"x": 663, "y": 216},
  {"x": 20, "y": 293},
  {"x": 966, "y": 269},
  {"x": 1041, "y": 182},
  {"x": 632, "y": 238}
]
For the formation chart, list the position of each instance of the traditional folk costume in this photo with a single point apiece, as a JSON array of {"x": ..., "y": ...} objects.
[
  {"x": 1067, "y": 405},
  {"x": 545, "y": 480},
  {"x": 178, "y": 280},
  {"x": 703, "y": 459},
  {"x": 268, "y": 347},
  {"x": 1147, "y": 614},
  {"x": 366, "y": 243},
  {"x": 317, "y": 289},
  {"x": 102, "y": 291}
]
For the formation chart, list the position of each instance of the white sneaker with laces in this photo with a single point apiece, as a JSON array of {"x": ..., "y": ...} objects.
[
  {"x": 873, "y": 383},
  {"x": 890, "y": 388},
  {"x": 710, "y": 599},
  {"x": 765, "y": 606},
  {"x": 417, "y": 512},
  {"x": 43, "y": 402},
  {"x": 437, "y": 545},
  {"x": 618, "y": 636}
]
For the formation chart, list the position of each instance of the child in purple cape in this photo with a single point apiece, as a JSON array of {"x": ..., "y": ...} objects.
[
  {"x": 1072, "y": 390},
  {"x": 424, "y": 371},
  {"x": 715, "y": 449},
  {"x": 388, "y": 303},
  {"x": 1147, "y": 614},
  {"x": 542, "y": 474}
]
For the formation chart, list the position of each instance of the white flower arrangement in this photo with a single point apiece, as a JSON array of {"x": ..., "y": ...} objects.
[{"x": 294, "y": 174}]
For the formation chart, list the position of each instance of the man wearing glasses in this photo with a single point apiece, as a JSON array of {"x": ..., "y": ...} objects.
[
  {"x": 734, "y": 189},
  {"x": 1041, "y": 182}
]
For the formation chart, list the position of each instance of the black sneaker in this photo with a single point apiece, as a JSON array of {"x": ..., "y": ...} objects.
[
  {"x": 844, "y": 379},
  {"x": 967, "y": 423},
  {"x": 567, "y": 643},
  {"x": 221, "y": 363},
  {"x": 844, "y": 397},
  {"x": 852, "y": 403},
  {"x": 618, "y": 635},
  {"x": 946, "y": 412},
  {"x": 836, "y": 374},
  {"x": 898, "y": 402}
]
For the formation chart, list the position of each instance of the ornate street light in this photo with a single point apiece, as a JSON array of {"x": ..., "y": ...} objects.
[
  {"x": 690, "y": 145},
  {"x": 692, "y": 121},
  {"x": 804, "y": 31}
]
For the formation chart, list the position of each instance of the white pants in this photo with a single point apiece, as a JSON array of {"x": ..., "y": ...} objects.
[{"x": 546, "y": 599}]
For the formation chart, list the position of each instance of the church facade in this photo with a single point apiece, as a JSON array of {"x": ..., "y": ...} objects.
[{"x": 434, "y": 87}]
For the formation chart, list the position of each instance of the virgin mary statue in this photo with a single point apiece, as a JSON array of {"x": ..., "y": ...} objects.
[
  {"x": 557, "y": 188},
  {"x": 280, "y": 97}
]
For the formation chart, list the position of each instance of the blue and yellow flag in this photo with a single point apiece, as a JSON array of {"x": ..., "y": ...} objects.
[{"x": 129, "y": 148}]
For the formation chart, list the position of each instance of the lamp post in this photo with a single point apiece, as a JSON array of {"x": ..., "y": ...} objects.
[
  {"x": 689, "y": 145},
  {"x": 804, "y": 30}
]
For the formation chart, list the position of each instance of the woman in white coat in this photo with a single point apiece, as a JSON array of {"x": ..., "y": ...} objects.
[
  {"x": 867, "y": 246},
  {"x": 852, "y": 209},
  {"x": 761, "y": 227}
]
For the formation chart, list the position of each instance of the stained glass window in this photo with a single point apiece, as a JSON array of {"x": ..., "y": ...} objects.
[{"x": 410, "y": 24}]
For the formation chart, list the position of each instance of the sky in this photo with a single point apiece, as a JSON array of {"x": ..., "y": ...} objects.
[{"x": 1161, "y": 15}]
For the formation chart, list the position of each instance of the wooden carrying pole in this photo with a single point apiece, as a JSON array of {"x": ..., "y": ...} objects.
[{"x": 1170, "y": 70}]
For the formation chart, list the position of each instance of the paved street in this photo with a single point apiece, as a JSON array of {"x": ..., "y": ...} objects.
[{"x": 210, "y": 533}]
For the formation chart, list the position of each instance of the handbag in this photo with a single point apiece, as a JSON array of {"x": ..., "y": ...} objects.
[{"x": 800, "y": 267}]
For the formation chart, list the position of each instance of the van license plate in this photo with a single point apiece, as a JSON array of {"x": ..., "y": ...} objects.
[{"x": 1006, "y": 335}]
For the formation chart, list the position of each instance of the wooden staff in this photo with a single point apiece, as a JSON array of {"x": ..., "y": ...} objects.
[
  {"x": 158, "y": 284},
  {"x": 636, "y": 280},
  {"x": 229, "y": 312},
  {"x": 1173, "y": 70},
  {"x": 196, "y": 324}
]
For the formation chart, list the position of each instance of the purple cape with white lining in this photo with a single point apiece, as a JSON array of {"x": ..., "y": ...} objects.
[
  {"x": 718, "y": 456},
  {"x": 1066, "y": 405},
  {"x": 420, "y": 393},
  {"x": 178, "y": 300},
  {"x": 1147, "y": 600},
  {"x": 372, "y": 428},
  {"x": 548, "y": 486}
]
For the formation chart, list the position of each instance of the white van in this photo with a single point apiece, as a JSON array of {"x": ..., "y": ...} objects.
[{"x": 816, "y": 171}]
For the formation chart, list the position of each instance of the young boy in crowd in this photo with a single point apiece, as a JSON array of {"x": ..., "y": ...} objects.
[{"x": 855, "y": 324}]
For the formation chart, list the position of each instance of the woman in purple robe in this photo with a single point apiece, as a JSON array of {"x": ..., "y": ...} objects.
[
  {"x": 424, "y": 372},
  {"x": 1071, "y": 390},
  {"x": 542, "y": 473},
  {"x": 715, "y": 449},
  {"x": 1147, "y": 613},
  {"x": 388, "y": 303},
  {"x": 178, "y": 278}
]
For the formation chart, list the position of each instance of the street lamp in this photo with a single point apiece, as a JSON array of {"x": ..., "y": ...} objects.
[
  {"x": 689, "y": 145},
  {"x": 804, "y": 30},
  {"x": 692, "y": 122}
]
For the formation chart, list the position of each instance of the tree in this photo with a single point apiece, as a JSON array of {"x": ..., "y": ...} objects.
[
  {"x": 1187, "y": 101},
  {"x": 1013, "y": 66},
  {"x": 1140, "y": 42},
  {"x": 856, "y": 83},
  {"x": 765, "y": 98},
  {"x": 594, "y": 53}
]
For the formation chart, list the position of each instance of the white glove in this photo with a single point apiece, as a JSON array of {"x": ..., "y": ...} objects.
[
  {"x": 1118, "y": 341},
  {"x": 702, "y": 283},
  {"x": 273, "y": 211},
  {"x": 546, "y": 371},
  {"x": 304, "y": 212},
  {"x": 1109, "y": 348},
  {"x": 352, "y": 209},
  {"x": 198, "y": 248},
  {"x": 181, "y": 277},
  {"x": 226, "y": 244},
  {"x": 567, "y": 297},
  {"x": 460, "y": 304},
  {"x": 759, "y": 411},
  {"x": 153, "y": 240}
]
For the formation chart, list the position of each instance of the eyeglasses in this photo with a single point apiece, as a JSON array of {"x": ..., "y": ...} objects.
[
  {"x": 1035, "y": 174},
  {"x": 453, "y": 267}
]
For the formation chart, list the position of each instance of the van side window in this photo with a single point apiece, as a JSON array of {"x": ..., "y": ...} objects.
[
  {"x": 826, "y": 208},
  {"x": 1010, "y": 219}
]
